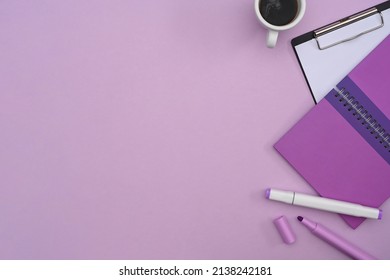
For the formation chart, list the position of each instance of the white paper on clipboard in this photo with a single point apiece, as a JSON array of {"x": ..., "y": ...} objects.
[{"x": 325, "y": 68}]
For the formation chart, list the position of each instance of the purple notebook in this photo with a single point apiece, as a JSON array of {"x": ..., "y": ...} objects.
[{"x": 342, "y": 146}]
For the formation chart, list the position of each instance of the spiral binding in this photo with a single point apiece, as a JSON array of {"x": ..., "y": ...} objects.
[{"x": 364, "y": 117}]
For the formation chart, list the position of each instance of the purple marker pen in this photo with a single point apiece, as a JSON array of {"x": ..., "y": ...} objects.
[{"x": 335, "y": 240}]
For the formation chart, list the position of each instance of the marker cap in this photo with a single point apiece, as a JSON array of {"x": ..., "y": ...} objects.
[
  {"x": 284, "y": 229},
  {"x": 267, "y": 193}
]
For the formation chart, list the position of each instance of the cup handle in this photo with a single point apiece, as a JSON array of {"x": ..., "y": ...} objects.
[{"x": 272, "y": 37}]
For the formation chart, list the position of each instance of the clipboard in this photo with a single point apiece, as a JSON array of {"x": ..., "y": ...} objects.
[{"x": 327, "y": 54}]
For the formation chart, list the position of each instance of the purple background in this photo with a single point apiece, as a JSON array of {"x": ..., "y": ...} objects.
[{"x": 145, "y": 130}]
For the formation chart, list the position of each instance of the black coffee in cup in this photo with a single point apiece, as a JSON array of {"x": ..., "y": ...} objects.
[{"x": 278, "y": 12}]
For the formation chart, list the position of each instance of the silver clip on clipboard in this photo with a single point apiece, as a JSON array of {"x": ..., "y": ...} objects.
[
  {"x": 327, "y": 54},
  {"x": 347, "y": 21}
]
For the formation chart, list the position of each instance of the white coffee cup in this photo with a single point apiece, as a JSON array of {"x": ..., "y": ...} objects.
[{"x": 273, "y": 30}]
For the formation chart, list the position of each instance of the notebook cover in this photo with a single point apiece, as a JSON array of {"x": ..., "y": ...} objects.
[{"x": 340, "y": 154}]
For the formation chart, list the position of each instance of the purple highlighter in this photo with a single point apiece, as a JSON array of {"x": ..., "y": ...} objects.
[{"x": 335, "y": 240}]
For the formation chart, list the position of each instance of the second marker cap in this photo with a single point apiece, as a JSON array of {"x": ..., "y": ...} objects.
[{"x": 284, "y": 230}]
